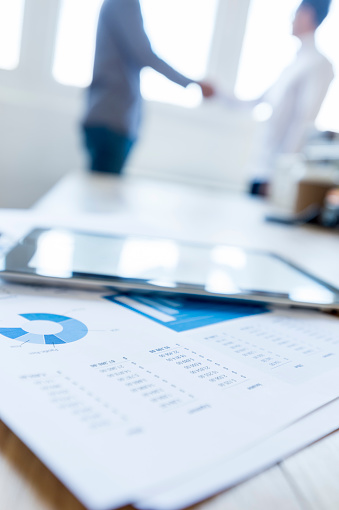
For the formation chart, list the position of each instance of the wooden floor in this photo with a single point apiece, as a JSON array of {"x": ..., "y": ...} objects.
[{"x": 309, "y": 480}]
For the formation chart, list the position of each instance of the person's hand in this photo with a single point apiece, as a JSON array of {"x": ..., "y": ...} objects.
[{"x": 207, "y": 89}]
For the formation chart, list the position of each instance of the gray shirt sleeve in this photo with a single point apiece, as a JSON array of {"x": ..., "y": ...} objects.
[{"x": 127, "y": 23}]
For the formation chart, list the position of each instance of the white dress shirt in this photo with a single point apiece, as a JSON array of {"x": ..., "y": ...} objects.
[{"x": 295, "y": 99}]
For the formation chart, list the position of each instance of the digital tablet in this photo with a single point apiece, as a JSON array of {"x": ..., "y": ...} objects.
[{"x": 159, "y": 265}]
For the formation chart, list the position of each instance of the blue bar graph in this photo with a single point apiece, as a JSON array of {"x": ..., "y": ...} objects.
[{"x": 184, "y": 314}]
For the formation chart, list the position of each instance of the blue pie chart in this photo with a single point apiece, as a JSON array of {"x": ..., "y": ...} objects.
[{"x": 72, "y": 330}]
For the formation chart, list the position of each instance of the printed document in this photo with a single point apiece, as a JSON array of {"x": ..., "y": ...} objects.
[{"x": 124, "y": 396}]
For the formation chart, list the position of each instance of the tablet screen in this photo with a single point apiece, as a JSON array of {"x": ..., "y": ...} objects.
[{"x": 215, "y": 269}]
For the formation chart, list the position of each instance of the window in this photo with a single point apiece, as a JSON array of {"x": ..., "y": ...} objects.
[
  {"x": 75, "y": 42},
  {"x": 268, "y": 47},
  {"x": 328, "y": 43},
  {"x": 180, "y": 31},
  {"x": 11, "y": 16}
]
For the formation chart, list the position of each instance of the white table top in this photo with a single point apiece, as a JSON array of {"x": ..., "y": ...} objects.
[{"x": 195, "y": 214}]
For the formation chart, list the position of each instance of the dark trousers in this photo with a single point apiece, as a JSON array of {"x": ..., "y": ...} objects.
[{"x": 107, "y": 150}]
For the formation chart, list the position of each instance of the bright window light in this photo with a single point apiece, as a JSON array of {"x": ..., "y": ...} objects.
[
  {"x": 75, "y": 42},
  {"x": 180, "y": 31},
  {"x": 11, "y": 16},
  {"x": 269, "y": 47},
  {"x": 328, "y": 43}
]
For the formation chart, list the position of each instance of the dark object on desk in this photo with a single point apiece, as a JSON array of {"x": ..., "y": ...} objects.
[
  {"x": 258, "y": 188},
  {"x": 330, "y": 212},
  {"x": 309, "y": 215}
]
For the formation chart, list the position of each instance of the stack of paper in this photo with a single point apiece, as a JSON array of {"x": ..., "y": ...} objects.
[{"x": 161, "y": 403}]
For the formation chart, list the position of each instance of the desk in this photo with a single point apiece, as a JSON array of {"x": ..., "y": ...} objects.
[{"x": 307, "y": 480}]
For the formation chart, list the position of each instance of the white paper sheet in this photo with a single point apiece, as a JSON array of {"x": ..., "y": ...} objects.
[
  {"x": 130, "y": 405},
  {"x": 267, "y": 453}
]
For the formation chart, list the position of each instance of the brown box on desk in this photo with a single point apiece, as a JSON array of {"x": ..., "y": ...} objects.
[{"x": 311, "y": 192}]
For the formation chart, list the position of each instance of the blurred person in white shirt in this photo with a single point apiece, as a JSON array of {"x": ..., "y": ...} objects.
[{"x": 295, "y": 98}]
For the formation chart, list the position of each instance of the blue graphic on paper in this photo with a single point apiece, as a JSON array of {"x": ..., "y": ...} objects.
[
  {"x": 72, "y": 330},
  {"x": 183, "y": 314}
]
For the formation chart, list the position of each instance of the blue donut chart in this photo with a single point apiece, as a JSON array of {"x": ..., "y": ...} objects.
[{"x": 72, "y": 330}]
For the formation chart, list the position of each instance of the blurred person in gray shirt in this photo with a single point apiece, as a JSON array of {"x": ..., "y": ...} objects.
[{"x": 113, "y": 111}]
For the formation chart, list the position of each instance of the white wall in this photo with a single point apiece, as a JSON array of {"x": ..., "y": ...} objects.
[
  {"x": 39, "y": 119},
  {"x": 209, "y": 145},
  {"x": 39, "y": 144}
]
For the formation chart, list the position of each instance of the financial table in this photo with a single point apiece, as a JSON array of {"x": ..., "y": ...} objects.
[{"x": 305, "y": 480}]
